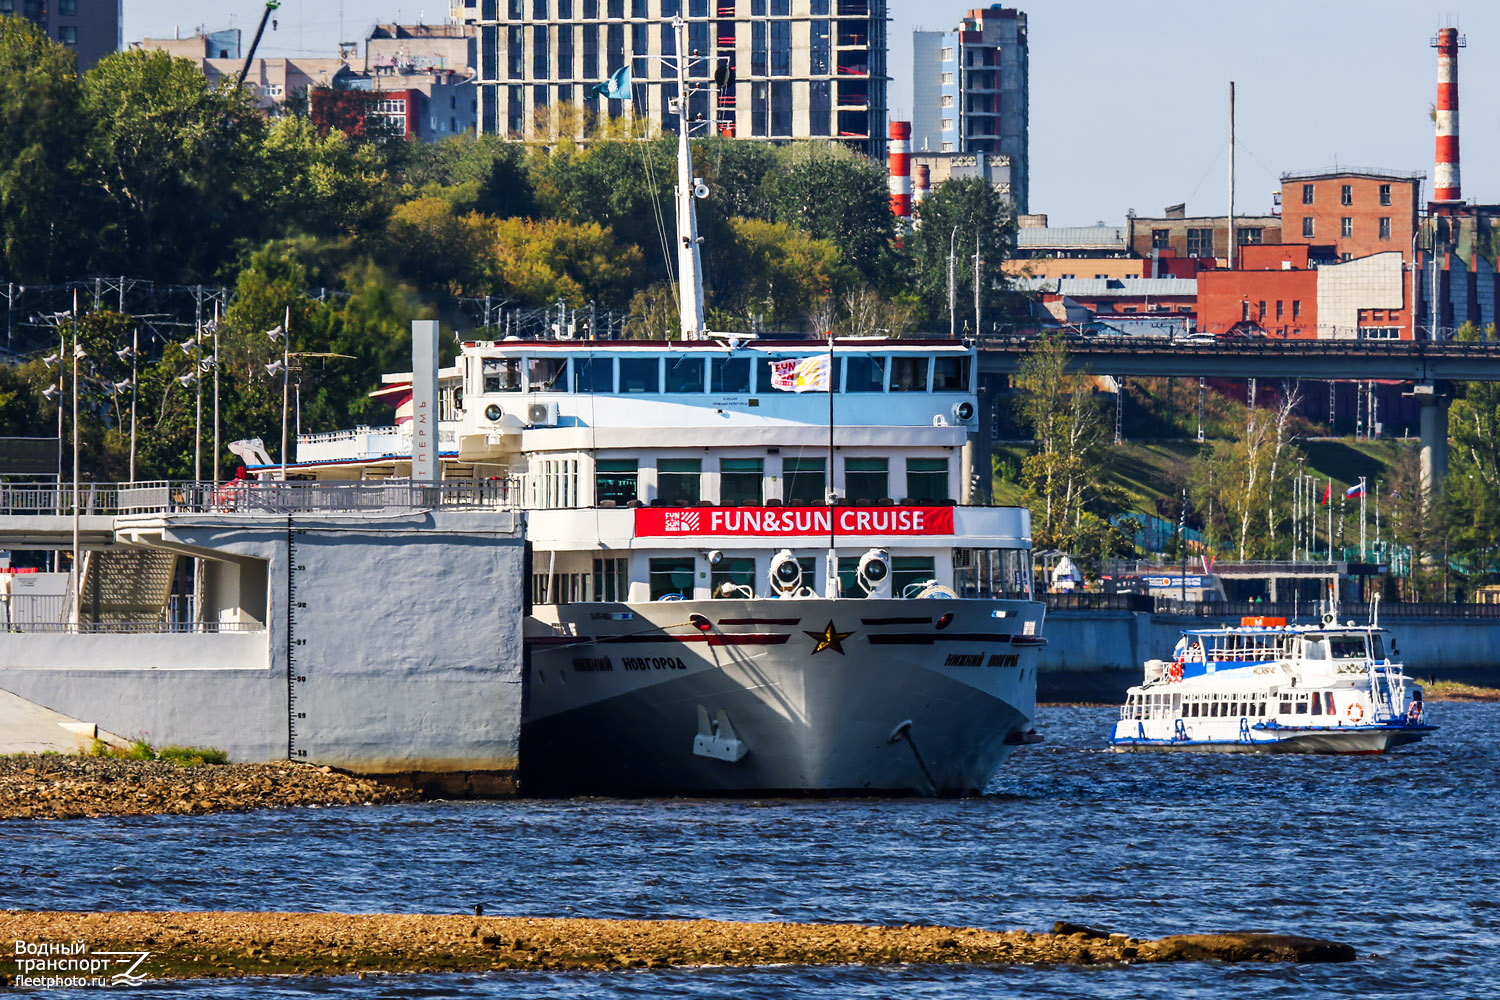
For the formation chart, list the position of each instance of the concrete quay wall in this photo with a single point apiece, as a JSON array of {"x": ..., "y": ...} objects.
[
  {"x": 381, "y": 644},
  {"x": 1094, "y": 641}
]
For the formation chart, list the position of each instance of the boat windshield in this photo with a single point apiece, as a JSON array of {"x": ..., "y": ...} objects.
[
  {"x": 1377, "y": 648},
  {"x": 1347, "y": 647}
]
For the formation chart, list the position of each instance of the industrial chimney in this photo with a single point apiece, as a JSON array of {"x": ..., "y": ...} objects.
[
  {"x": 901, "y": 170},
  {"x": 1445, "y": 186},
  {"x": 922, "y": 184}
]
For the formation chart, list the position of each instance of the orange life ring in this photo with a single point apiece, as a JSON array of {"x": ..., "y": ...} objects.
[
  {"x": 1414, "y": 712},
  {"x": 1355, "y": 712},
  {"x": 1175, "y": 670}
]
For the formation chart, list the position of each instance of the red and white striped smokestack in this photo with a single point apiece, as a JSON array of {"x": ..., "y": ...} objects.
[
  {"x": 900, "y": 152},
  {"x": 1445, "y": 186},
  {"x": 921, "y": 184}
]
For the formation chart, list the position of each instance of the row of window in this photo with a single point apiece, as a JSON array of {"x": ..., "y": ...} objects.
[
  {"x": 740, "y": 375},
  {"x": 1280, "y": 310},
  {"x": 742, "y": 480},
  {"x": 734, "y": 576},
  {"x": 1225, "y": 706},
  {"x": 1346, "y": 228},
  {"x": 1346, "y": 194},
  {"x": 1200, "y": 241},
  {"x": 565, "y": 10}
]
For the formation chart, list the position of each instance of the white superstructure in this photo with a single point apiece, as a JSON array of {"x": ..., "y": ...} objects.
[{"x": 1265, "y": 686}]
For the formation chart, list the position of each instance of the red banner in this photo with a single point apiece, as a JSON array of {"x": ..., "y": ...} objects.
[{"x": 769, "y": 522}]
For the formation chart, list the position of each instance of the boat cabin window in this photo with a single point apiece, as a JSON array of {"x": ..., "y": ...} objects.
[
  {"x": 908, "y": 374},
  {"x": 1347, "y": 647},
  {"x": 950, "y": 374},
  {"x": 1314, "y": 649},
  {"x": 611, "y": 579},
  {"x": 1286, "y": 704},
  {"x": 733, "y": 577},
  {"x": 668, "y": 576},
  {"x": 685, "y": 374},
  {"x": 729, "y": 375},
  {"x": 593, "y": 374},
  {"x": 927, "y": 478},
  {"x": 804, "y": 481},
  {"x": 640, "y": 375},
  {"x": 1328, "y": 703},
  {"x": 867, "y": 478},
  {"x": 740, "y": 480},
  {"x": 990, "y": 573},
  {"x": 910, "y": 572},
  {"x": 1300, "y": 705},
  {"x": 546, "y": 374},
  {"x": 502, "y": 374},
  {"x": 864, "y": 374},
  {"x": 1377, "y": 647},
  {"x": 615, "y": 479},
  {"x": 679, "y": 480}
]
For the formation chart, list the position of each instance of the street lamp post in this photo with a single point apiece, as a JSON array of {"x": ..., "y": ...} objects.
[
  {"x": 952, "y": 287},
  {"x": 78, "y": 355},
  {"x": 216, "y": 394},
  {"x": 283, "y": 367}
]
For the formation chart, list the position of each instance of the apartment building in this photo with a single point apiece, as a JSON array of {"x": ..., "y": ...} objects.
[
  {"x": 970, "y": 93},
  {"x": 91, "y": 28},
  {"x": 803, "y": 68}
]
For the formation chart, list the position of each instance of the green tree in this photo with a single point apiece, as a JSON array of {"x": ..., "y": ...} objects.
[
  {"x": 327, "y": 185},
  {"x": 781, "y": 275},
  {"x": 1064, "y": 481},
  {"x": 834, "y": 194},
  {"x": 958, "y": 218},
  {"x": 41, "y": 131},
  {"x": 174, "y": 158}
]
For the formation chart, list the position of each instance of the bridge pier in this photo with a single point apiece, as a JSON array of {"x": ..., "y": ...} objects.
[{"x": 1434, "y": 398}]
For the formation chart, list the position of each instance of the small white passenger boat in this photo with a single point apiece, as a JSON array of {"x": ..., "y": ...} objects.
[{"x": 1268, "y": 687}]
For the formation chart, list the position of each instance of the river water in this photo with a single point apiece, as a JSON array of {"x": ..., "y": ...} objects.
[{"x": 1396, "y": 855}]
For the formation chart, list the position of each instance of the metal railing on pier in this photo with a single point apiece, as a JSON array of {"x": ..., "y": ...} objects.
[
  {"x": 261, "y": 497},
  {"x": 132, "y": 628},
  {"x": 1306, "y": 612}
]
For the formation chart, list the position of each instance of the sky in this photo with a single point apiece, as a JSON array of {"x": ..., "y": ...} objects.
[{"x": 1130, "y": 101}]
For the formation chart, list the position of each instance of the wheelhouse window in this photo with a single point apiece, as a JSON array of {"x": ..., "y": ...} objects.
[
  {"x": 927, "y": 478},
  {"x": 908, "y": 572},
  {"x": 740, "y": 480},
  {"x": 546, "y": 374},
  {"x": 908, "y": 374},
  {"x": 679, "y": 480},
  {"x": 992, "y": 573},
  {"x": 1347, "y": 647},
  {"x": 502, "y": 374},
  {"x": 732, "y": 577},
  {"x": 950, "y": 375},
  {"x": 804, "y": 480},
  {"x": 640, "y": 375},
  {"x": 594, "y": 375},
  {"x": 729, "y": 375},
  {"x": 864, "y": 374},
  {"x": 615, "y": 480},
  {"x": 670, "y": 576},
  {"x": 685, "y": 374},
  {"x": 867, "y": 478}
]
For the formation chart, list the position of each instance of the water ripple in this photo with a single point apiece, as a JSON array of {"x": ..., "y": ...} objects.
[{"x": 1394, "y": 855}]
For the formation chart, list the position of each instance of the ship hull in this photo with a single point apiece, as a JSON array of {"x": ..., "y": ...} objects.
[
  {"x": 806, "y": 696},
  {"x": 1329, "y": 740}
]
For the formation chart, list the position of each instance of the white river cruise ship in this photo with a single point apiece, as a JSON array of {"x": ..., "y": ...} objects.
[
  {"x": 685, "y": 633},
  {"x": 738, "y": 588}
]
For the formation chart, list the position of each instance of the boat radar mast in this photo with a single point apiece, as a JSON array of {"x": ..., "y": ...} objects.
[{"x": 689, "y": 188}]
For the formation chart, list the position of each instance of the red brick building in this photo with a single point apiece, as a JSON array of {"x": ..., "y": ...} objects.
[
  {"x": 1276, "y": 294},
  {"x": 1357, "y": 212}
]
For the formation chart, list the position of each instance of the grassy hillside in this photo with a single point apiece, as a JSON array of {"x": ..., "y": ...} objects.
[{"x": 1149, "y": 472}]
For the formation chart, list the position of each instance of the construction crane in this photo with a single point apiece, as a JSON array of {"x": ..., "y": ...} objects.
[{"x": 271, "y": 6}]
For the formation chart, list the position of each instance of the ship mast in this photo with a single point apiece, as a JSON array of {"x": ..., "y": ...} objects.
[{"x": 689, "y": 188}]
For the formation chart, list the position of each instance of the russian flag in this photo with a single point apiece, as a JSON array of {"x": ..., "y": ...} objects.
[{"x": 1357, "y": 490}]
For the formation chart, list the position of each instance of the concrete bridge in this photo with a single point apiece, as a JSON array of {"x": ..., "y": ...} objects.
[{"x": 1431, "y": 366}]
